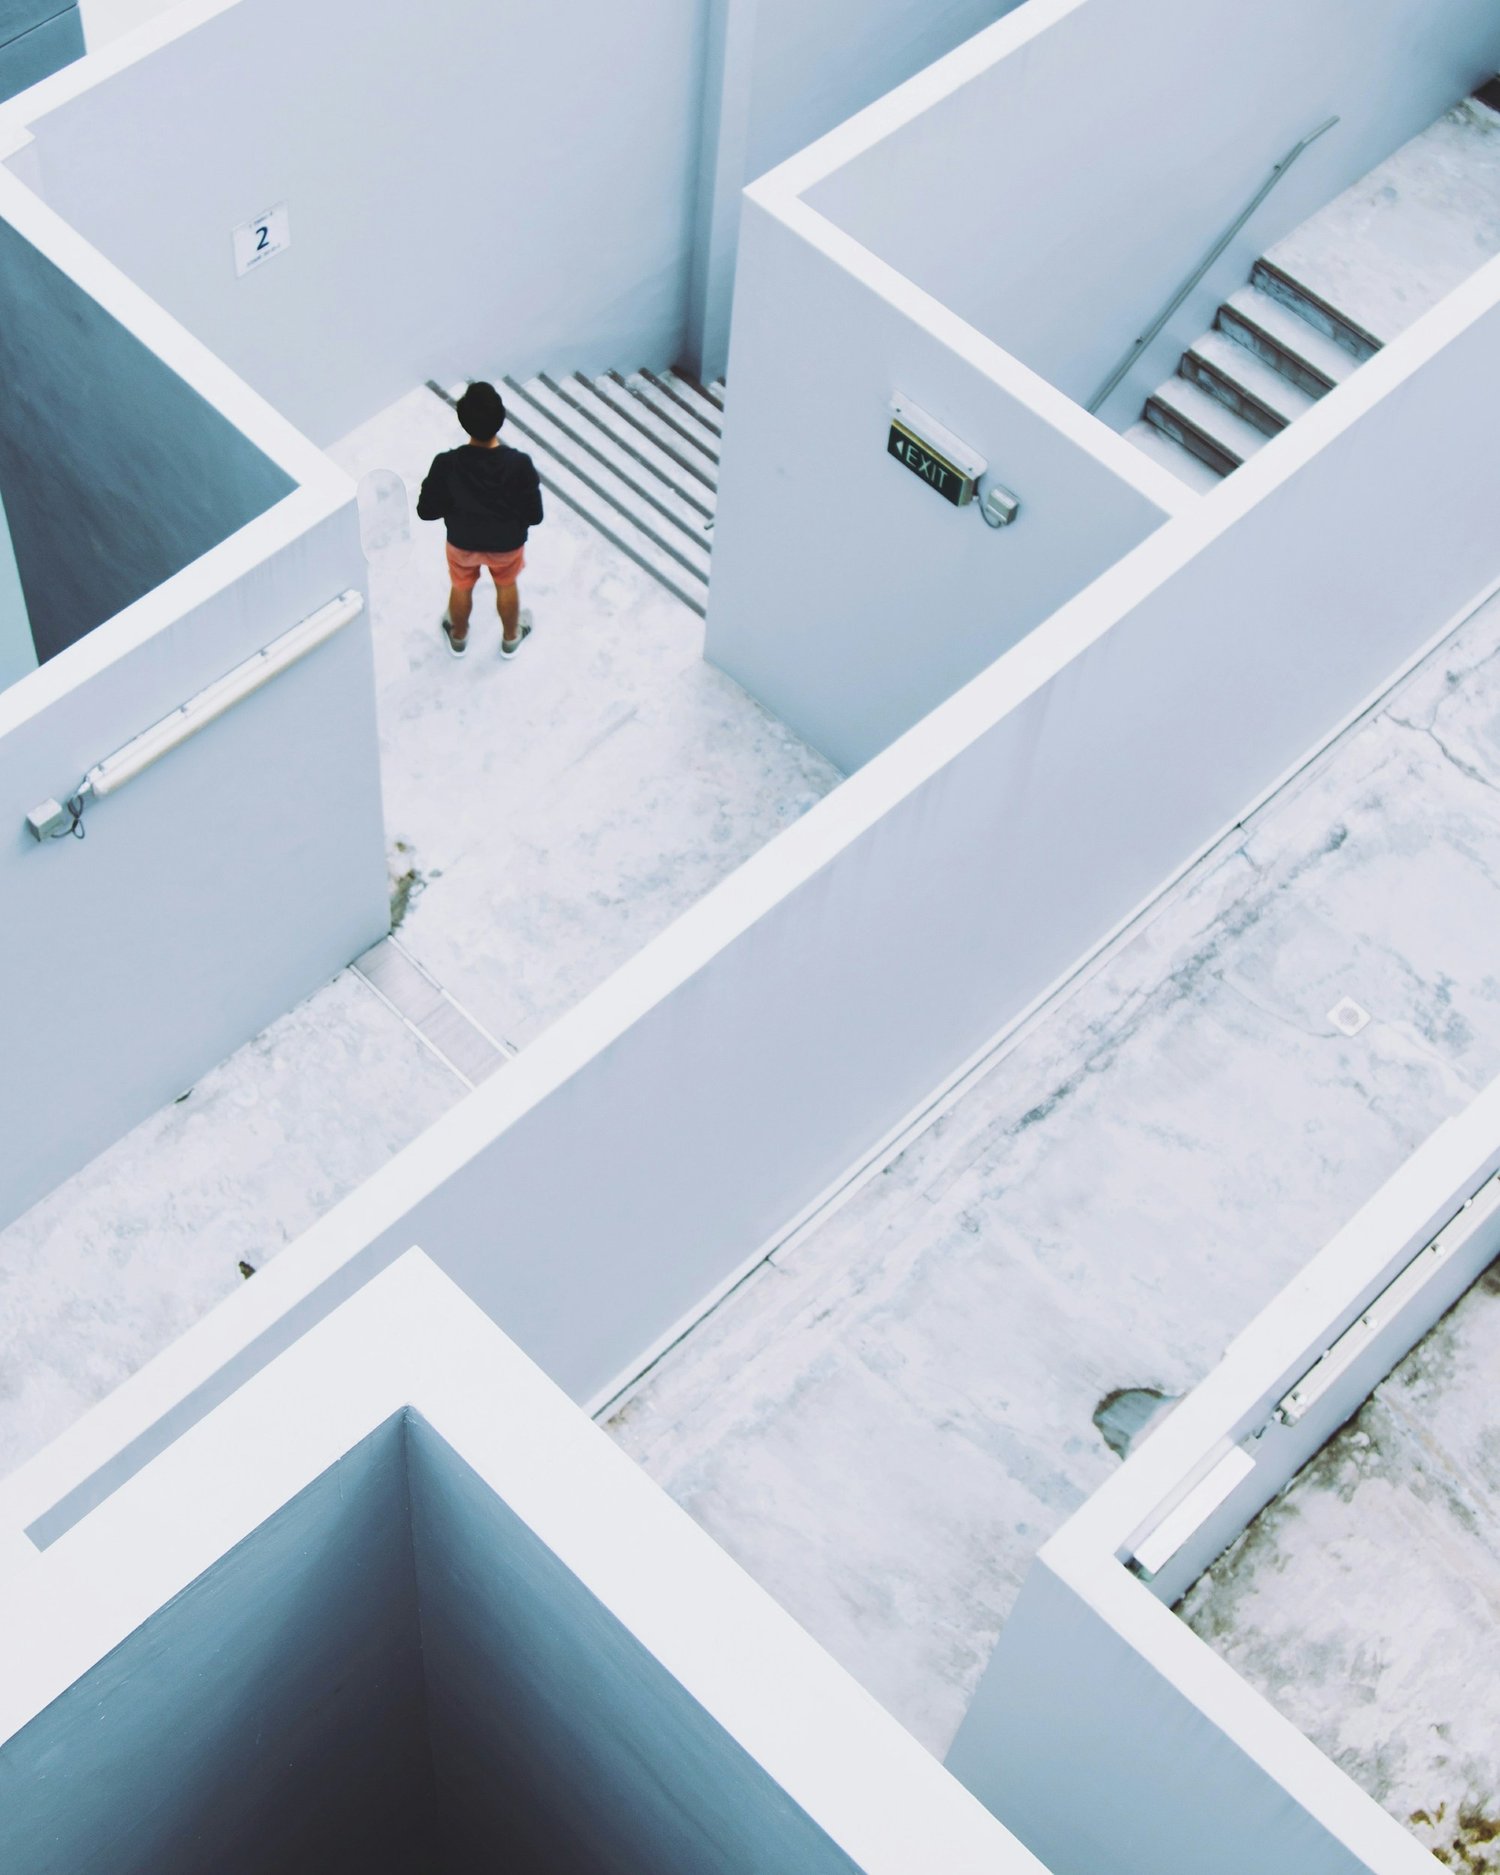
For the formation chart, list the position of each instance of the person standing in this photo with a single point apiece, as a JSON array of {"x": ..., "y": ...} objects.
[{"x": 490, "y": 497}]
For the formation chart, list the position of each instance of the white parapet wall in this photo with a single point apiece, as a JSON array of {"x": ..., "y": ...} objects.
[
  {"x": 167, "y": 526},
  {"x": 806, "y": 1010},
  {"x": 465, "y": 190},
  {"x": 1190, "y": 1770},
  {"x": 397, "y": 1604},
  {"x": 1105, "y": 145},
  {"x": 987, "y": 241}
]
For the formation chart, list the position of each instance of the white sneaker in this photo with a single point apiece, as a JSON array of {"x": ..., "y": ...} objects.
[{"x": 509, "y": 651}]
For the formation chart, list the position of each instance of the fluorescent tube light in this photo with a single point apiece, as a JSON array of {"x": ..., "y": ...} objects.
[{"x": 142, "y": 751}]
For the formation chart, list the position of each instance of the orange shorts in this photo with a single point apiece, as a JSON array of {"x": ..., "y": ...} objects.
[{"x": 463, "y": 566}]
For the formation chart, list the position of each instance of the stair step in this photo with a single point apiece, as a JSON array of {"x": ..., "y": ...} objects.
[
  {"x": 1171, "y": 455},
  {"x": 1407, "y": 233},
  {"x": 1293, "y": 347},
  {"x": 1360, "y": 343},
  {"x": 592, "y": 445},
  {"x": 666, "y": 408},
  {"x": 692, "y": 397},
  {"x": 640, "y": 424},
  {"x": 633, "y": 531},
  {"x": 1239, "y": 378},
  {"x": 1212, "y": 431},
  {"x": 659, "y": 461}
]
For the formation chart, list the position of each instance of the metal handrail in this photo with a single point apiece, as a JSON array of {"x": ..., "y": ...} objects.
[{"x": 1138, "y": 345}]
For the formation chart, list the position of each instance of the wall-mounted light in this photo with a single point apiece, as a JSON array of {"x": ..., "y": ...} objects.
[
  {"x": 948, "y": 465},
  {"x": 55, "y": 819}
]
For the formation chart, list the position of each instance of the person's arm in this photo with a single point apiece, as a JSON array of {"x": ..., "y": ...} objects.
[
  {"x": 534, "y": 494},
  {"x": 432, "y": 503}
]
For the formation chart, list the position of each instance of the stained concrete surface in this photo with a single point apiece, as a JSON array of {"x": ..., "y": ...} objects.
[
  {"x": 546, "y": 818},
  {"x": 1418, "y": 225},
  {"x": 559, "y": 810},
  {"x": 128, "y": 1253},
  {"x": 883, "y": 1423},
  {"x": 1364, "y": 1602}
]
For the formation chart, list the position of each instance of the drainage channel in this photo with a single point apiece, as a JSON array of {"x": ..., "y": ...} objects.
[{"x": 443, "y": 1026}]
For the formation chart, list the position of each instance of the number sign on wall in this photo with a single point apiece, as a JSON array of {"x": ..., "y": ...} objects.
[{"x": 255, "y": 242}]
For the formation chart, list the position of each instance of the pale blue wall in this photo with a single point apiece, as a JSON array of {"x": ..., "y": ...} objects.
[
  {"x": 37, "y": 37},
  {"x": 553, "y": 1731},
  {"x": 268, "y": 1718},
  {"x": 211, "y": 894},
  {"x": 780, "y": 74},
  {"x": 467, "y": 192},
  {"x": 17, "y": 652},
  {"x": 848, "y": 596},
  {"x": 1058, "y": 199},
  {"x": 114, "y": 472}
]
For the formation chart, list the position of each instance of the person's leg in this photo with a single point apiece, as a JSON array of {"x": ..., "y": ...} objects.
[
  {"x": 508, "y": 604},
  {"x": 460, "y": 605}
]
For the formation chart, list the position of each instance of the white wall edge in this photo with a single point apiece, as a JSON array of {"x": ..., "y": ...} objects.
[
  {"x": 1088, "y": 433},
  {"x": 170, "y": 341}
]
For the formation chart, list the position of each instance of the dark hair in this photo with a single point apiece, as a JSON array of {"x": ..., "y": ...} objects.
[{"x": 481, "y": 412}]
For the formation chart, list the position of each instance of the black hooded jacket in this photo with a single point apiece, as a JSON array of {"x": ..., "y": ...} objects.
[{"x": 488, "y": 497}]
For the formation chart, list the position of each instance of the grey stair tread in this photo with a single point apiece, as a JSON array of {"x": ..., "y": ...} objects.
[
  {"x": 651, "y": 452},
  {"x": 1171, "y": 455},
  {"x": 445, "y": 1027},
  {"x": 1261, "y": 383},
  {"x": 599, "y": 447},
  {"x": 1198, "y": 411},
  {"x": 459, "y": 1041},
  {"x": 560, "y": 479},
  {"x": 1416, "y": 226},
  {"x": 1324, "y": 356},
  {"x": 636, "y": 414},
  {"x": 695, "y": 397},
  {"x": 697, "y": 435},
  {"x": 609, "y": 490}
]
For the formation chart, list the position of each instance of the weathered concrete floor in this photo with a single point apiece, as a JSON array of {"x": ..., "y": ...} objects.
[
  {"x": 553, "y": 814},
  {"x": 1418, "y": 225},
  {"x": 885, "y": 1423},
  {"x": 1365, "y": 1601}
]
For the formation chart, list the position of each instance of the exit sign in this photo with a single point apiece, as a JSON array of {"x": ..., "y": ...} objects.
[{"x": 933, "y": 454}]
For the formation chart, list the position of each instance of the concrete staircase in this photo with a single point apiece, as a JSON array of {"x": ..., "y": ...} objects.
[
  {"x": 637, "y": 456},
  {"x": 1329, "y": 296}
]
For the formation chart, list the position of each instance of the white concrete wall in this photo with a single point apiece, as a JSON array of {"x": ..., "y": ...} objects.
[
  {"x": 600, "y": 1686},
  {"x": 269, "y": 1717},
  {"x": 115, "y": 473},
  {"x": 234, "y": 877},
  {"x": 554, "y": 1736},
  {"x": 1189, "y": 1770},
  {"x": 468, "y": 192},
  {"x": 812, "y": 1003},
  {"x": 17, "y": 650},
  {"x": 107, "y": 20},
  {"x": 847, "y": 596},
  {"x": 1073, "y": 166},
  {"x": 780, "y": 73}
]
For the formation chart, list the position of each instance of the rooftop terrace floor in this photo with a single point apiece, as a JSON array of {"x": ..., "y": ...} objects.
[
  {"x": 885, "y": 1421},
  {"x": 547, "y": 817},
  {"x": 1364, "y": 1602}
]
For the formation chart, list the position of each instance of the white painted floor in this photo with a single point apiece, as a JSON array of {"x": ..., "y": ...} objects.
[
  {"x": 1365, "y": 1601},
  {"x": 554, "y": 813},
  {"x": 885, "y": 1423}
]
